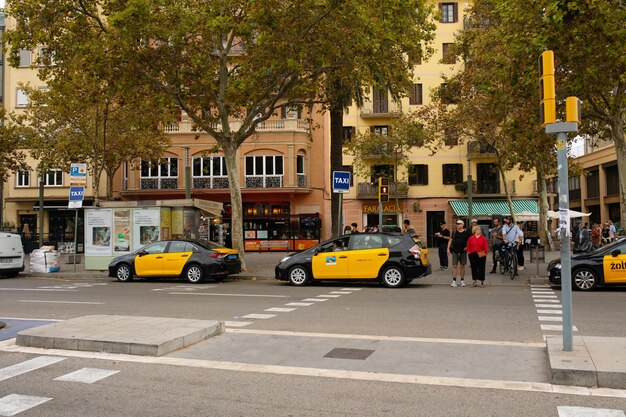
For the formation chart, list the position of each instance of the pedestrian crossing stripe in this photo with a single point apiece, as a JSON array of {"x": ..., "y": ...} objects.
[
  {"x": 86, "y": 375},
  {"x": 15, "y": 403},
  {"x": 565, "y": 411}
]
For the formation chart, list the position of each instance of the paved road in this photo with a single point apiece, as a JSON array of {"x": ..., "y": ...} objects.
[{"x": 277, "y": 337}]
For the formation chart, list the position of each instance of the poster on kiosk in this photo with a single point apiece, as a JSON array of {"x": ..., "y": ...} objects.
[
  {"x": 98, "y": 225},
  {"x": 146, "y": 227}
]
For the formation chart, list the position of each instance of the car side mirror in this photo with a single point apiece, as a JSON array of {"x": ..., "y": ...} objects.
[
  {"x": 616, "y": 253},
  {"x": 316, "y": 252},
  {"x": 142, "y": 253}
]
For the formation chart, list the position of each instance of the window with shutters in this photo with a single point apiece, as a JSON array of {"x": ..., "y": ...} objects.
[
  {"x": 380, "y": 130},
  {"x": 451, "y": 137},
  {"x": 26, "y": 58},
  {"x": 452, "y": 173},
  {"x": 449, "y": 12},
  {"x": 418, "y": 174},
  {"x": 416, "y": 94},
  {"x": 348, "y": 133},
  {"x": 380, "y": 100},
  {"x": 448, "y": 56}
]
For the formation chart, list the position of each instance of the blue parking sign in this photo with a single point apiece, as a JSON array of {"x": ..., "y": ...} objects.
[{"x": 341, "y": 181}]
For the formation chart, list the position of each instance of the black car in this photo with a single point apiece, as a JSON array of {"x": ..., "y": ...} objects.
[
  {"x": 393, "y": 258},
  {"x": 173, "y": 258},
  {"x": 604, "y": 266}
]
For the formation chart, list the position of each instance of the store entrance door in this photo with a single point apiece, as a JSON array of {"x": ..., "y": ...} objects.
[
  {"x": 389, "y": 221},
  {"x": 433, "y": 219}
]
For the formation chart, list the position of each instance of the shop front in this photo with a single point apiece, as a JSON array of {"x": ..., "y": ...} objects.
[
  {"x": 272, "y": 227},
  {"x": 391, "y": 218}
]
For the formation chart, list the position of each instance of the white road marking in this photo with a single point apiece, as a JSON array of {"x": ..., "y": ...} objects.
[
  {"x": 58, "y": 302},
  {"x": 332, "y": 373},
  {"x": 185, "y": 288},
  {"x": 548, "y": 306},
  {"x": 315, "y": 299},
  {"x": 230, "y": 295},
  {"x": 550, "y": 311},
  {"x": 547, "y": 301},
  {"x": 544, "y": 296},
  {"x": 86, "y": 375},
  {"x": 280, "y": 309},
  {"x": 299, "y": 304},
  {"x": 258, "y": 316},
  {"x": 27, "y": 366},
  {"x": 28, "y": 318},
  {"x": 588, "y": 412},
  {"x": 541, "y": 291},
  {"x": 556, "y": 327},
  {"x": 340, "y": 292},
  {"x": 237, "y": 323},
  {"x": 550, "y": 318},
  {"x": 350, "y": 289},
  {"x": 37, "y": 289},
  {"x": 14, "y": 404},
  {"x": 329, "y": 296}
]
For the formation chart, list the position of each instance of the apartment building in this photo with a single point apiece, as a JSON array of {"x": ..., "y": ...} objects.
[{"x": 434, "y": 189}]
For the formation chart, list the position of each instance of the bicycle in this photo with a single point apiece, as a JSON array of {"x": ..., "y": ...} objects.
[{"x": 508, "y": 261}]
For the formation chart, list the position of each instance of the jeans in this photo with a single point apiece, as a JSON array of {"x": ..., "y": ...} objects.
[{"x": 443, "y": 256}]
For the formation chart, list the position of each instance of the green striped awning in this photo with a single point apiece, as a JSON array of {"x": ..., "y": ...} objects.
[{"x": 491, "y": 207}]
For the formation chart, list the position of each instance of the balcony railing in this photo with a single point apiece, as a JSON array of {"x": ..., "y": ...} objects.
[
  {"x": 301, "y": 181},
  {"x": 393, "y": 109},
  {"x": 159, "y": 183},
  {"x": 284, "y": 125},
  {"x": 487, "y": 186},
  {"x": 264, "y": 181},
  {"x": 478, "y": 149},
  {"x": 210, "y": 183},
  {"x": 369, "y": 190}
]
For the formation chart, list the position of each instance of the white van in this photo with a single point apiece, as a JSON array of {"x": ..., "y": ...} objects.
[{"x": 11, "y": 254}]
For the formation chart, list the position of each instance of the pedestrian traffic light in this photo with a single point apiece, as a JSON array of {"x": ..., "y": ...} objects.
[
  {"x": 383, "y": 189},
  {"x": 572, "y": 109},
  {"x": 547, "y": 89}
]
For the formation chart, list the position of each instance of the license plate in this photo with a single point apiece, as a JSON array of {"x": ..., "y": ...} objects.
[
  {"x": 6, "y": 260},
  {"x": 232, "y": 257}
]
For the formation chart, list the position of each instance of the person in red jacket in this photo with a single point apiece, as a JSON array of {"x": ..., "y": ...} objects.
[{"x": 477, "y": 248}]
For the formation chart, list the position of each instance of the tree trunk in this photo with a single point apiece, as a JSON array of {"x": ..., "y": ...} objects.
[
  {"x": 617, "y": 131},
  {"x": 543, "y": 206},
  {"x": 336, "y": 161},
  {"x": 236, "y": 226},
  {"x": 506, "y": 192}
]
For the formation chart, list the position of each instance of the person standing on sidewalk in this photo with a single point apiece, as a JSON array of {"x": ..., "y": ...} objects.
[
  {"x": 457, "y": 248},
  {"x": 496, "y": 242},
  {"x": 443, "y": 236},
  {"x": 477, "y": 248},
  {"x": 520, "y": 249},
  {"x": 510, "y": 235}
]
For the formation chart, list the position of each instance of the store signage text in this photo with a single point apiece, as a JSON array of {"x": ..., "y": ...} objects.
[{"x": 387, "y": 208}]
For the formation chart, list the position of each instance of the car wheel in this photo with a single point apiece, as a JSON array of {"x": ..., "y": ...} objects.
[
  {"x": 123, "y": 273},
  {"x": 298, "y": 276},
  {"x": 194, "y": 274},
  {"x": 393, "y": 277},
  {"x": 585, "y": 279}
]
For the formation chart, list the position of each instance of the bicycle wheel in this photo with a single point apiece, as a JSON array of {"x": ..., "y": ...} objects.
[
  {"x": 513, "y": 265},
  {"x": 503, "y": 263}
]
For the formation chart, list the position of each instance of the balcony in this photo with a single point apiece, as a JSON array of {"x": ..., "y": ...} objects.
[
  {"x": 367, "y": 190},
  {"x": 264, "y": 181},
  {"x": 159, "y": 183},
  {"x": 481, "y": 187},
  {"x": 302, "y": 181},
  {"x": 280, "y": 125},
  {"x": 477, "y": 149},
  {"x": 382, "y": 111},
  {"x": 211, "y": 183}
]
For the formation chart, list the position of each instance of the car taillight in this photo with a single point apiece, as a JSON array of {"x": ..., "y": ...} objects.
[
  {"x": 415, "y": 250},
  {"x": 216, "y": 255}
]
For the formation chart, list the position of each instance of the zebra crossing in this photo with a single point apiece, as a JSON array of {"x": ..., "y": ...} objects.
[
  {"x": 14, "y": 404},
  {"x": 549, "y": 309}
]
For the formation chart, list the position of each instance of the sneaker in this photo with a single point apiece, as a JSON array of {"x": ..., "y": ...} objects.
[
  {"x": 462, "y": 283},
  {"x": 453, "y": 284},
  {"x": 444, "y": 268},
  {"x": 520, "y": 268}
]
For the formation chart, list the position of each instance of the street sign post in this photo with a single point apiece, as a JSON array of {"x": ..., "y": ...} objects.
[
  {"x": 77, "y": 194},
  {"x": 341, "y": 185}
]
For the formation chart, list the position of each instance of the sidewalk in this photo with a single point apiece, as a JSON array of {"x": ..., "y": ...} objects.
[{"x": 260, "y": 265}]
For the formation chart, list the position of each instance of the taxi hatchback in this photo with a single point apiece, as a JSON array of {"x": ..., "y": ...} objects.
[{"x": 394, "y": 259}]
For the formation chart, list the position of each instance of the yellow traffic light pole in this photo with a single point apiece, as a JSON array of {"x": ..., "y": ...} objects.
[
  {"x": 548, "y": 121},
  {"x": 383, "y": 197}
]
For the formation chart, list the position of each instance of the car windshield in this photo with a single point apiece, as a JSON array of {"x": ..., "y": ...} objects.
[{"x": 611, "y": 246}]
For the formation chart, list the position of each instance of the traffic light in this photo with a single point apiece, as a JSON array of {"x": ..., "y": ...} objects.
[
  {"x": 547, "y": 89},
  {"x": 572, "y": 109},
  {"x": 383, "y": 189}
]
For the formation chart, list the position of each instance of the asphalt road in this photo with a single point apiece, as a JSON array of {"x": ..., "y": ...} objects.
[{"x": 498, "y": 313}]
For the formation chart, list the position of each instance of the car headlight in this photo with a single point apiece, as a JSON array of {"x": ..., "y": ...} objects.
[{"x": 284, "y": 259}]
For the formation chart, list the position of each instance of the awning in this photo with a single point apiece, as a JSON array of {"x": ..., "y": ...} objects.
[{"x": 491, "y": 207}]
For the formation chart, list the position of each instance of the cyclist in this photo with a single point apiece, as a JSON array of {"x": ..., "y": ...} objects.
[{"x": 511, "y": 235}]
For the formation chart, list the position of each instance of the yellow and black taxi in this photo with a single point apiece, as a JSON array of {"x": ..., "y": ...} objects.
[
  {"x": 603, "y": 267},
  {"x": 190, "y": 260},
  {"x": 393, "y": 258}
]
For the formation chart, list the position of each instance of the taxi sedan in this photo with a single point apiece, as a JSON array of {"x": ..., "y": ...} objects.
[
  {"x": 393, "y": 258},
  {"x": 231, "y": 256},
  {"x": 171, "y": 258},
  {"x": 605, "y": 266}
]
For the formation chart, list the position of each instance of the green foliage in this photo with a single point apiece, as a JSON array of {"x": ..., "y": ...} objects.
[{"x": 12, "y": 138}]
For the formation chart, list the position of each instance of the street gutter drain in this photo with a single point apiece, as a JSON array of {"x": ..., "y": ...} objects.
[{"x": 347, "y": 353}]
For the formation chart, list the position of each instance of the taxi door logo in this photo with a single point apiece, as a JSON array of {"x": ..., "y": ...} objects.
[
  {"x": 331, "y": 260},
  {"x": 615, "y": 268}
]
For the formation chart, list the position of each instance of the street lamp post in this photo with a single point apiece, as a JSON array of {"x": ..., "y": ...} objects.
[{"x": 187, "y": 172}]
